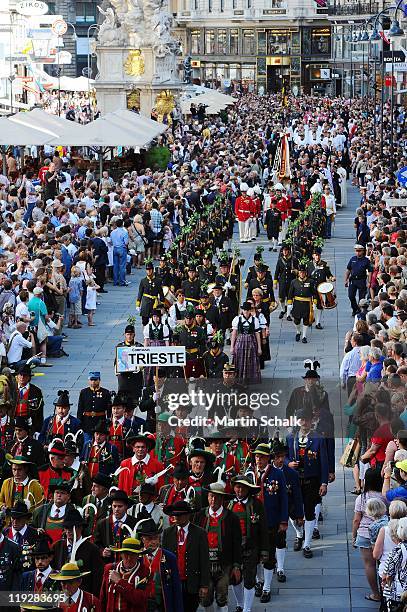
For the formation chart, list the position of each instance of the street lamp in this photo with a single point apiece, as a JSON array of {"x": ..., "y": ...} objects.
[
  {"x": 95, "y": 27},
  {"x": 11, "y": 78},
  {"x": 395, "y": 30}
]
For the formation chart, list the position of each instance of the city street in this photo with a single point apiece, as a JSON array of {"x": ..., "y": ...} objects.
[{"x": 334, "y": 578}]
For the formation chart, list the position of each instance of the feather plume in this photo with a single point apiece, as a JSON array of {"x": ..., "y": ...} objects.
[
  {"x": 220, "y": 471},
  {"x": 51, "y": 444},
  {"x": 251, "y": 474},
  {"x": 154, "y": 479},
  {"x": 74, "y": 436},
  {"x": 120, "y": 469},
  {"x": 132, "y": 532},
  {"x": 89, "y": 505},
  {"x": 136, "y": 526},
  {"x": 190, "y": 495},
  {"x": 27, "y": 500},
  {"x": 75, "y": 545}
]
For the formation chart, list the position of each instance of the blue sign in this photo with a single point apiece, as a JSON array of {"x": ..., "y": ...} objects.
[{"x": 402, "y": 176}]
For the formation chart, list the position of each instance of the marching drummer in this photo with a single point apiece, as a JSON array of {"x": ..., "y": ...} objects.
[
  {"x": 301, "y": 297},
  {"x": 319, "y": 272}
]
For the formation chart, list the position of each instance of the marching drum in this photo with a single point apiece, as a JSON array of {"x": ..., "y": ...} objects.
[
  {"x": 169, "y": 297},
  {"x": 327, "y": 295}
]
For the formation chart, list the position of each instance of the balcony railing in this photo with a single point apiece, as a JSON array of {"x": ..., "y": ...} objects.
[{"x": 368, "y": 7}]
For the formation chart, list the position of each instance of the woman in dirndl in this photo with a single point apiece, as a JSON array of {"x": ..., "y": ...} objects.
[
  {"x": 261, "y": 310},
  {"x": 156, "y": 333},
  {"x": 246, "y": 345}
]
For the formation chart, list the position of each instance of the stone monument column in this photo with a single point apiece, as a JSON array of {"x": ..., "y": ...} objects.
[{"x": 137, "y": 57}]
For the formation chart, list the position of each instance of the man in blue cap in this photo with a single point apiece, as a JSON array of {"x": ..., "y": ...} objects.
[{"x": 94, "y": 404}]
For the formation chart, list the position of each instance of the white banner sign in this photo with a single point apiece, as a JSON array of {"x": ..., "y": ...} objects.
[
  {"x": 401, "y": 67},
  {"x": 395, "y": 202},
  {"x": 131, "y": 358}
]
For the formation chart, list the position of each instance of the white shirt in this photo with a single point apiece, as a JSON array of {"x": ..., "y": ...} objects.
[
  {"x": 246, "y": 322},
  {"x": 76, "y": 596},
  {"x": 22, "y": 310},
  {"x": 149, "y": 507},
  {"x": 173, "y": 313},
  {"x": 146, "y": 459},
  {"x": 185, "y": 528},
  {"x": 390, "y": 323},
  {"x": 71, "y": 248},
  {"x": 27, "y": 480},
  {"x": 18, "y": 343},
  {"x": 21, "y": 532},
  {"x": 217, "y": 513},
  {"x": 54, "y": 509},
  {"x": 45, "y": 573}
]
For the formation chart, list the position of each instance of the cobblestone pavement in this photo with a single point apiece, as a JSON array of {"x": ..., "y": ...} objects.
[{"x": 334, "y": 578}]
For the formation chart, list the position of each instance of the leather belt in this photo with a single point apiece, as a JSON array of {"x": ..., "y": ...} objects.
[{"x": 94, "y": 414}]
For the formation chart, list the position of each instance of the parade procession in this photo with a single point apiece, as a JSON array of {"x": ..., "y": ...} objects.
[{"x": 203, "y": 324}]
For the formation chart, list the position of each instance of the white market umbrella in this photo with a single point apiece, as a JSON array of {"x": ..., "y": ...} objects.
[
  {"x": 59, "y": 129},
  {"x": 12, "y": 133}
]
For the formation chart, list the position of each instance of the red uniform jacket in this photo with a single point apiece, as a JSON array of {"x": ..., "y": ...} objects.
[
  {"x": 284, "y": 206},
  {"x": 168, "y": 450},
  {"x": 230, "y": 466},
  {"x": 124, "y": 595},
  {"x": 48, "y": 473},
  {"x": 240, "y": 450},
  {"x": 257, "y": 206},
  {"x": 244, "y": 208},
  {"x": 135, "y": 475},
  {"x": 260, "y": 479}
]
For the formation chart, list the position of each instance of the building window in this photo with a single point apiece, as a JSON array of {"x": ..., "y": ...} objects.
[
  {"x": 249, "y": 47},
  {"x": 210, "y": 6},
  {"x": 86, "y": 12},
  {"x": 278, "y": 42},
  {"x": 235, "y": 72},
  {"x": 222, "y": 42},
  {"x": 249, "y": 4},
  {"x": 196, "y": 42},
  {"x": 209, "y": 42},
  {"x": 234, "y": 42},
  {"x": 320, "y": 41},
  {"x": 222, "y": 6}
]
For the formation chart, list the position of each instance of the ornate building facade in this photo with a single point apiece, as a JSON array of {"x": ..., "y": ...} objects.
[{"x": 259, "y": 45}]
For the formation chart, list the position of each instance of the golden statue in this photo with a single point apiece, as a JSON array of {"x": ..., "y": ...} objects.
[
  {"x": 164, "y": 104},
  {"x": 133, "y": 100},
  {"x": 134, "y": 64}
]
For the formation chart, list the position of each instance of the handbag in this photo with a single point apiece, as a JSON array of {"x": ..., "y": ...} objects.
[
  {"x": 144, "y": 239},
  {"x": 42, "y": 331},
  {"x": 351, "y": 454}
]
